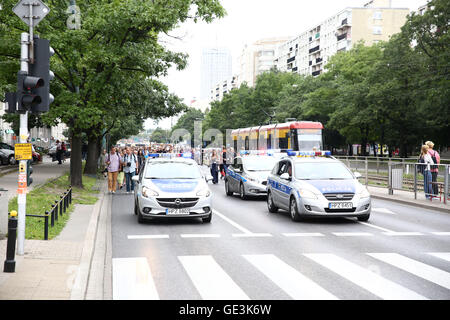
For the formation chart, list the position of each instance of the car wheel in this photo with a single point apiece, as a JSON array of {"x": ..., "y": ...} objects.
[
  {"x": 293, "y": 210},
  {"x": 242, "y": 192},
  {"x": 364, "y": 217},
  {"x": 207, "y": 219},
  {"x": 227, "y": 188},
  {"x": 11, "y": 160},
  {"x": 270, "y": 205}
]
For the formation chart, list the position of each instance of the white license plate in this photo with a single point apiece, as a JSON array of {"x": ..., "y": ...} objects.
[
  {"x": 177, "y": 211},
  {"x": 340, "y": 205}
]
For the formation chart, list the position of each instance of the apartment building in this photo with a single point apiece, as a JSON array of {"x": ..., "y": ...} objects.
[
  {"x": 258, "y": 58},
  {"x": 216, "y": 65},
  {"x": 220, "y": 89},
  {"x": 309, "y": 52}
]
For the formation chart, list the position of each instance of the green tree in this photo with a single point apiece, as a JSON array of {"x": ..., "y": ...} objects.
[
  {"x": 187, "y": 122},
  {"x": 160, "y": 135}
]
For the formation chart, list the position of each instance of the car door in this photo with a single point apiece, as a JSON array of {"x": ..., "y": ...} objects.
[
  {"x": 232, "y": 174},
  {"x": 285, "y": 186},
  {"x": 276, "y": 184}
]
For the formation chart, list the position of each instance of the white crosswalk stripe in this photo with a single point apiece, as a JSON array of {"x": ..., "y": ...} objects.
[
  {"x": 132, "y": 280},
  {"x": 288, "y": 279},
  {"x": 383, "y": 210},
  {"x": 441, "y": 255},
  {"x": 211, "y": 281},
  {"x": 417, "y": 268},
  {"x": 364, "y": 278}
]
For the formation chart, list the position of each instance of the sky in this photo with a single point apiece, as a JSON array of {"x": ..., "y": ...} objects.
[{"x": 246, "y": 22}]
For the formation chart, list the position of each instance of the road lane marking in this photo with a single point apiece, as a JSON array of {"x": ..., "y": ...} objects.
[
  {"x": 441, "y": 233},
  {"x": 305, "y": 234},
  {"x": 403, "y": 233},
  {"x": 383, "y": 210},
  {"x": 365, "y": 278},
  {"x": 416, "y": 268},
  {"x": 251, "y": 235},
  {"x": 373, "y": 226},
  {"x": 234, "y": 224},
  {"x": 441, "y": 255},
  {"x": 206, "y": 235},
  {"x": 352, "y": 234},
  {"x": 132, "y": 280},
  {"x": 295, "y": 284},
  {"x": 211, "y": 281},
  {"x": 148, "y": 236}
]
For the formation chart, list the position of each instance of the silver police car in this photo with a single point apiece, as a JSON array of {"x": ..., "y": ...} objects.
[
  {"x": 316, "y": 186},
  {"x": 247, "y": 175},
  {"x": 172, "y": 187}
]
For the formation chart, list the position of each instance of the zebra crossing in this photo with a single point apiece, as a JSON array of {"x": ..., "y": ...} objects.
[{"x": 133, "y": 278}]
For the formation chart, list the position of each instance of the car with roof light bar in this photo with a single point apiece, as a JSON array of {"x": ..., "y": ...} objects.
[
  {"x": 315, "y": 184},
  {"x": 172, "y": 186}
]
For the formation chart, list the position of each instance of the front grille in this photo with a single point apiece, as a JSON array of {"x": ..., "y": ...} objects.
[
  {"x": 340, "y": 210},
  {"x": 171, "y": 202},
  {"x": 339, "y": 196}
]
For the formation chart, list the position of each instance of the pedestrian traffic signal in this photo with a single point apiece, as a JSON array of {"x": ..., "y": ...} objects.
[
  {"x": 29, "y": 172},
  {"x": 41, "y": 69},
  {"x": 27, "y": 96}
]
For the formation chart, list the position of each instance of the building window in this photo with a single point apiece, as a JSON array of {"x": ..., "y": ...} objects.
[
  {"x": 377, "y": 15},
  {"x": 376, "y": 30}
]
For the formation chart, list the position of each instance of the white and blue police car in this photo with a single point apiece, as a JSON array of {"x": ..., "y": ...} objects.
[
  {"x": 172, "y": 186},
  {"x": 314, "y": 184}
]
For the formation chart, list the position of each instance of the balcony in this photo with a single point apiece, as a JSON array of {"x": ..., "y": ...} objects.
[
  {"x": 290, "y": 59},
  {"x": 310, "y": 63},
  {"x": 318, "y": 60},
  {"x": 314, "y": 49},
  {"x": 316, "y": 73},
  {"x": 294, "y": 69},
  {"x": 344, "y": 24},
  {"x": 341, "y": 36}
]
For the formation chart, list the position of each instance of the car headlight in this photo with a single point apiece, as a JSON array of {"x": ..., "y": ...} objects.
[
  {"x": 204, "y": 193},
  {"x": 364, "y": 193},
  {"x": 304, "y": 193},
  {"x": 147, "y": 192}
]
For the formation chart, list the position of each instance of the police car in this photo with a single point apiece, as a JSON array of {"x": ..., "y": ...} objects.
[
  {"x": 248, "y": 173},
  {"x": 171, "y": 186},
  {"x": 317, "y": 185}
]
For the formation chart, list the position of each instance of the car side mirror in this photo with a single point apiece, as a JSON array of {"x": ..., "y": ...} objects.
[
  {"x": 135, "y": 179},
  {"x": 285, "y": 176},
  {"x": 357, "y": 175}
]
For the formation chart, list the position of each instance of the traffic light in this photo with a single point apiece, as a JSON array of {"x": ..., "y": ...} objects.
[
  {"x": 26, "y": 95},
  {"x": 11, "y": 102},
  {"x": 41, "y": 69},
  {"x": 29, "y": 172}
]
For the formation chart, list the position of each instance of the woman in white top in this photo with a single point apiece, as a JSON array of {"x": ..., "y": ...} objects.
[{"x": 427, "y": 187}]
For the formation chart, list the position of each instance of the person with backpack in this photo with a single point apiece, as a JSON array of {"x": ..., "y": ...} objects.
[
  {"x": 434, "y": 169},
  {"x": 112, "y": 160},
  {"x": 130, "y": 167},
  {"x": 425, "y": 169}
]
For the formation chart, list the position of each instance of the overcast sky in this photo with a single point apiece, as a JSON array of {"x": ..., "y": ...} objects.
[{"x": 246, "y": 22}]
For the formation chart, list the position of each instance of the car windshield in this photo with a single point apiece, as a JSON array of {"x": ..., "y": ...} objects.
[
  {"x": 260, "y": 163},
  {"x": 322, "y": 171},
  {"x": 172, "y": 170}
]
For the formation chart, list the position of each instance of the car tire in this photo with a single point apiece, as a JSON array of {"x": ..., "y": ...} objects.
[
  {"x": 11, "y": 160},
  {"x": 364, "y": 218},
  {"x": 293, "y": 210},
  {"x": 227, "y": 188},
  {"x": 136, "y": 209},
  {"x": 242, "y": 192},
  {"x": 207, "y": 219},
  {"x": 270, "y": 205}
]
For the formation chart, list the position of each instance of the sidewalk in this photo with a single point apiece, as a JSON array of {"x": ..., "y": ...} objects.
[{"x": 71, "y": 266}]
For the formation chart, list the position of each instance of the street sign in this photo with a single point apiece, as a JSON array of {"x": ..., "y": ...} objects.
[
  {"x": 40, "y": 10},
  {"x": 23, "y": 151}
]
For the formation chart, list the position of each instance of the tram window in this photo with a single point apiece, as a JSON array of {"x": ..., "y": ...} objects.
[
  {"x": 246, "y": 144},
  {"x": 283, "y": 142}
]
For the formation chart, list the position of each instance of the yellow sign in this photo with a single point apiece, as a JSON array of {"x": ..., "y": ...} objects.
[{"x": 23, "y": 151}]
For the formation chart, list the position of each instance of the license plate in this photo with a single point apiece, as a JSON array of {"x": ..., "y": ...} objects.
[
  {"x": 177, "y": 211},
  {"x": 340, "y": 205}
]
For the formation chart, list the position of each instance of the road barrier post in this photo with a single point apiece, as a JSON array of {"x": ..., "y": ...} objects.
[
  {"x": 446, "y": 174},
  {"x": 46, "y": 226},
  {"x": 390, "y": 190},
  {"x": 367, "y": 172},
  {"x": 10, "y": 263},
  {"x": 415, "y": 181},
  {"x": 56, "y": 210}
]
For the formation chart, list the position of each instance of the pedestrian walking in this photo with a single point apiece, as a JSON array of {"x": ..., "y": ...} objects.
[
  {"x": 130, "y": 167},
  {"x": 113, "y": 163},
  {"x": 63, "y": 151},
  {"x": 58, "y": 151},
  {"x": 214, "y": 168},
  {"x": 101, "y": 163},
  {"x": 434, "y": 169},
  {"x": 223, "y": 164},
  {"x": 426, "y": 159}
]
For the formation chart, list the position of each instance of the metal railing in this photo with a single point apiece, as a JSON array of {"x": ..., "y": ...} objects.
[
  {"x": 402, "y": 175},
  {"x": 60, "y": 207}
]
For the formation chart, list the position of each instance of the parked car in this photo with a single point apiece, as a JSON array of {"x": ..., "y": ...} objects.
[{"x": 7, "y": 154}]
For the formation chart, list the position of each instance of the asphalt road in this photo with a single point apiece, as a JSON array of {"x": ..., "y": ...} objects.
[{"x": 403, "y": 252}]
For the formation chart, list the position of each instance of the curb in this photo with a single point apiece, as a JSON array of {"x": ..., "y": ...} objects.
[
  {"x": 421, "y": 205},
  {"x": 80, "y": 286}
]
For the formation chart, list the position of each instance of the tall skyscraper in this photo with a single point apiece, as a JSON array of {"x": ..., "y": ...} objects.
[{"x": 216, "y": 67}]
